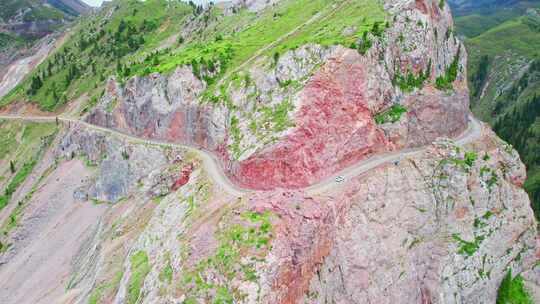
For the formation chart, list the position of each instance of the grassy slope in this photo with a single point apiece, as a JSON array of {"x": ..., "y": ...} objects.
[
  {"x": 227, "y": 41},
  {"x": 23, "y": 145},
  {"x": 20, "y": 144},
  {"x": 475, "y": 24},
  {"x": 509, "y": 47},
  {"x": 93, "y": 51},
  {"x": 512, "y": 35},
  {"x": 220, "y": 42}
]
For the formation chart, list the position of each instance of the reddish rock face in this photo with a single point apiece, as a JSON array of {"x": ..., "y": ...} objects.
[
  {"x": 435, "y": 11},
  {"x": 334, "y": 129},
  {"x": 184, "y": 177},
  {"x": 429, "y": 9},
  {"x": 333, "y": 118},
  {"x": 302, "y": 240},
  {"x": 433, "y": 113},
  {"x": 422, "y": 6},
  {"x": 177, "y": 126}
]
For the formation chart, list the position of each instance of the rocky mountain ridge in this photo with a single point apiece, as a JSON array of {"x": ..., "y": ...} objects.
[
  {"x": 147, "y": 223},
  {"x": 252, "y": 159}
]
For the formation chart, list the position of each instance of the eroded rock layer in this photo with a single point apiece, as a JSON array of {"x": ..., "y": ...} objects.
[{"x": 330, "y": 122}]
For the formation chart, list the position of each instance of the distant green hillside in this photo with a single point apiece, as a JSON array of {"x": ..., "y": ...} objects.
[
  {"x": 139, "y": 38},
  {"x": 497, "y": 59},
  {"x": 504, "y": 76},
  {"x": 487, "y": 7},
  {"x": 40, "y": 9},
  {"x": 473, "y": 18},
  {"x": 476, "y": 24},
  {"x": 25, "y": 21}
]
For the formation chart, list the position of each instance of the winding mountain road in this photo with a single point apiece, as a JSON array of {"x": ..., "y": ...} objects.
[{"x": 214, "y": 169}]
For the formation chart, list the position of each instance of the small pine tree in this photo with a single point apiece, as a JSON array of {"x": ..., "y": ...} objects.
[
  {"x": 276, "y": 58},
  {"x": 118, "y": 68},
  {"x": 12, "y": 167}
]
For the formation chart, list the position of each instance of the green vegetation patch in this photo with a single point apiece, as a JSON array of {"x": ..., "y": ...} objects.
[
  {"x": 140, "y": 267},
  {"x": 512, "y": 291},
  {"x": 346, "y": 26},
  {"x": 240, "y": 245},
  {"x": 446, "y": 81},
  {"x": 99, "y": 291},
  {"x": 467, "y": 248},
  {"x": 8, "y": 139},
  {"x": 21, "y": 143},
  {"x": 208, "y": 61},
  {"x": 16, "y": 181},
  {"x": 267, "y": 121},
  {"x": 166, "y": 273},
  {"x": 13, "y": 219},
  {"x": 391, "y": 115},
  {"x": 489, "y": 176},
  {"x": 409, "y": 82}
]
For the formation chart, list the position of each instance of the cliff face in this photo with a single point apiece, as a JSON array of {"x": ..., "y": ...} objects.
[
  {"x": 442, "y": 226},
  {"x": 443, "y": 221},
  {"x": 437, "y": 208},
  {"x": 326, "y": 99}
]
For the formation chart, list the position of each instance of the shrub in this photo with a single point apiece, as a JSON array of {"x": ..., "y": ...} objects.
[
  {"x": 410, "y": 82},
  {"x": 364, "y": 44},
  {"x": 391, "y": 115},
  {"x": 446, "y": 81},
  {"x": 512, "y": 291},
  {"x": 470, "y": 158}
]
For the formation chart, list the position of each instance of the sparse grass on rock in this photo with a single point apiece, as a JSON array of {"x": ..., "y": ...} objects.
[{"x": 140, "y": 267}]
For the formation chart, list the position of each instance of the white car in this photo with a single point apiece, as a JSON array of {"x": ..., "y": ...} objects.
[{"x": 340, "y": 179}]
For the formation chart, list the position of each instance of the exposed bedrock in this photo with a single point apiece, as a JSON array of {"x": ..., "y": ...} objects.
[
  {"x": 164, "y": 108},
  {"x": 121, "y": 165},
  {"x": 430, "y": 229},
  {"x": 330, "y": 96},
  {"x": 334, "y": 129},
  {"x": 339, "y": 248}
]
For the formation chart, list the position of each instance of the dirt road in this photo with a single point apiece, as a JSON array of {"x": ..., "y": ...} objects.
[{"x": 216, "y": 172}]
